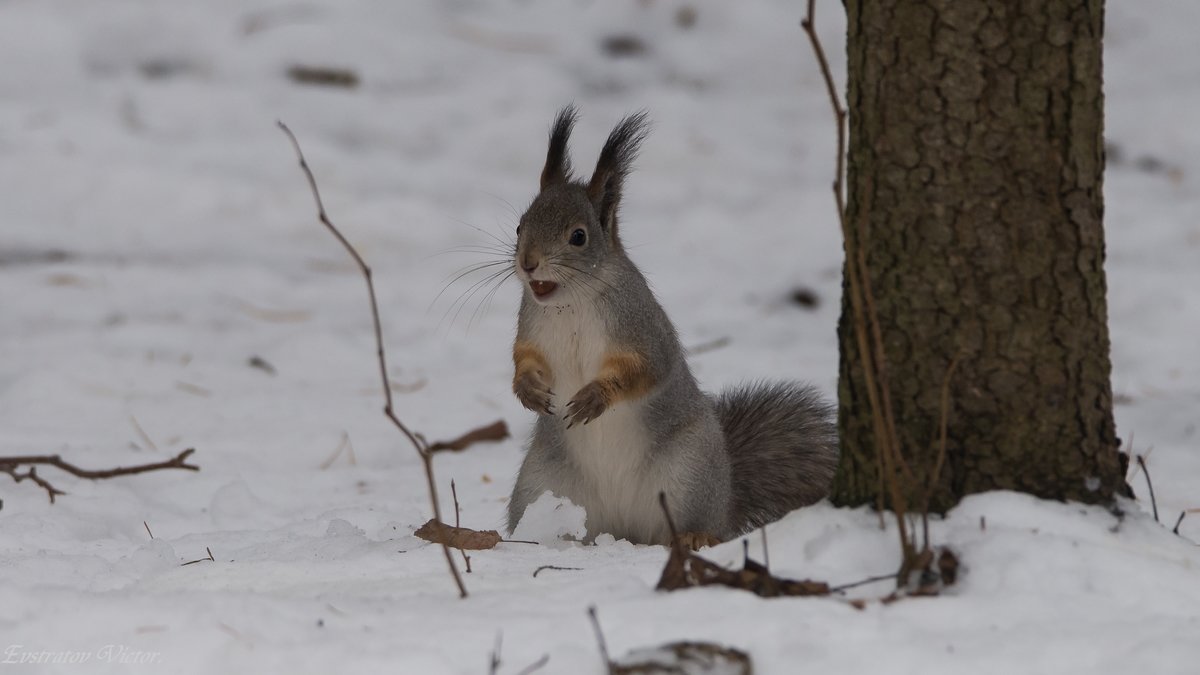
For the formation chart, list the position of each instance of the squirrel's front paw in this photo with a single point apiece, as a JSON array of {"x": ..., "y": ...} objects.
[
  {"x": 588, "y": 404},
  {"x": 534, "y": 393}
]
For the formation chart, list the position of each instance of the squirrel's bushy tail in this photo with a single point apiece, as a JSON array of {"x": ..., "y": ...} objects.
[{"x": 783, "y": 447}]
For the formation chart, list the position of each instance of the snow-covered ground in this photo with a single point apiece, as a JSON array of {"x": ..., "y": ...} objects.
[{"x": 156, "y": 234}]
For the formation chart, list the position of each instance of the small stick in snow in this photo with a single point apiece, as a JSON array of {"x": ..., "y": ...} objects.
[
  {"x": 711, "y": 345},
  {"x": 343, "y": 446},
  {"x": 210, "y": 558},
  {"x": 554, "y": 567},
  {"x": 943, "y": 424},
  {"x": 1153, "y": 503},
  {"x": 494, "y": 663},
  {"x": 10, "y": 464},
  {"x": 867, "y": 332},
  {"x": 31, "y": 474},
  {"x": 142, "y": 433},
  {"x": 1183, "y": 514},
  {"x": 608, "y": 664},
  {"x": 418, "y": 442},
  {"x": 863, "y": 582},
  {"x": 535, "y": 666},
  {"x": 457, "y": 525},
  {"x": 496, "y": 431},
  {"x": 147, "y": 529}
]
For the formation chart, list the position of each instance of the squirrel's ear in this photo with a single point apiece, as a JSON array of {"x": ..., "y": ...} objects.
[
  {"x": 616, "y": 159},
  {"x": 558, "y": 164}
]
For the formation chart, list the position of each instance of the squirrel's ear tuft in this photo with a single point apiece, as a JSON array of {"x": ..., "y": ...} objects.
[
  {"x": 616, "y": 160},
  {"x": 558, "y": 164}
]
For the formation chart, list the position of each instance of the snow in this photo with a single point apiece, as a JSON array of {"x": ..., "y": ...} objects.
[
  {"x": 552, "y": 521},
  {"x": 157, "y": 234}
]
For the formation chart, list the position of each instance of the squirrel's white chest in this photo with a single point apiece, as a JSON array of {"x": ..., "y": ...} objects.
[
  {"x": 574, "y": 342},
  {"x": 615, "y": 484}
]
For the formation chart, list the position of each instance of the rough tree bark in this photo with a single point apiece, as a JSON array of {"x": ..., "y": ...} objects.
[{"x": 975, "y": 166}]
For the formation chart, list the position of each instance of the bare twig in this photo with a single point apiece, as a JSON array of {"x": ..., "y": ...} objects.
[
  {"x": 9, "y": 464},
  {"x": 535, "y": 666},
  {"x": 863, "y": 582},
  {"x": 662, "y": 501},
  {"x": 418, "y": 444},
  {"x": 1182, "y": 515},
  {"x": 608, "y": 664},
  {"x": 324, "y": 76},
  {"x": 147, "y": 529},
  {"x": 943, "y": 425},
  {"x": 31, "y": 474},
  {"x": 142, "y": 433},
  {"x": 555, "y": 567},
  {"x": 869, "y": 342},
  {"x": 343, "y": 446},
  {"x": 496, "y": 431},
  {"x": 210, "y": 558},
  {"x": 494, "y": 662},
  {"x": 177, "y": 462},
  {"x": 1150, "y": 486},
  {"x": 711, "y": 345},
  {"x": 454, "y": 494}
]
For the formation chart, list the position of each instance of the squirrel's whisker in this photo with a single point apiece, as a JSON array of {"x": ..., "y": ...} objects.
[{"x": 471, "y": 269}]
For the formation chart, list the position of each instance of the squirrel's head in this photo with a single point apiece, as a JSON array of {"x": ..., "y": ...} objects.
[{"x": 570, "y": 229}]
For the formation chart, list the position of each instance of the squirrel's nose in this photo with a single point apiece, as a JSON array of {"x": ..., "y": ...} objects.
[{"x": 528, "y": 264}]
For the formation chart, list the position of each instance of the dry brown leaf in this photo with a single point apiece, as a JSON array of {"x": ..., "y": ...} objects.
[{"x": 458, "y": 537}]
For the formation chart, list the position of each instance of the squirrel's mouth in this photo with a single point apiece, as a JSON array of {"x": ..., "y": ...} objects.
[{"x": 542, "y": 288}]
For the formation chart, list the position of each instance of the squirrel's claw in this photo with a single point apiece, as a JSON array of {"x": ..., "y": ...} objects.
[
  {"x": 588, "y": 404},
  {"x": 534, "y": 395}
]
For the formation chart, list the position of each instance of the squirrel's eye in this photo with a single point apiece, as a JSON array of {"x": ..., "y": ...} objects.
[{"x": 578, "y": 238}]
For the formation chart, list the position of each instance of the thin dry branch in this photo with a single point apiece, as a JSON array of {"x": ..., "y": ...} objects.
[
  {"x": 458, "y": 525},
  {"x": 210, "y": 558},
  {"x": 1182, "y": 514},
  {"x": 417, "y": 442},
  {"x": 10, "y": 464},
  {"x": 863, "y": 582},
  {"x": 31, "y": 474},
  {"x": 600, "y": 642},
  {"x": 494, "y": 661},
  {"x": 137, "y": 427},
  {"x": 576, "y": 569},
  {"x": 1149, "y": 486},
  {"x": 535, "y": 666},
  {"x": 943, "y": 430},
  {"x": 867, "y": 333},
  {"x": 496, "y": 431}
]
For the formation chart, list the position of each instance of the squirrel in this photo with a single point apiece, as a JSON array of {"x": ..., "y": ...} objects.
[{"x": 620, "y": 415}]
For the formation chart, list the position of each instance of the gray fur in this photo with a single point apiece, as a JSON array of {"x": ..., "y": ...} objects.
[
  {"x": 727, "y": 465},
  {"x": 783, "y": 447}
]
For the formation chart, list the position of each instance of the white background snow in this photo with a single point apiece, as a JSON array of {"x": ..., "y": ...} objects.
[{"x": 156, "y": 233}]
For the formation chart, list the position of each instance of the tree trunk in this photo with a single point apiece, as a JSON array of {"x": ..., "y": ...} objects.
[{"x": 975, "y": 168}]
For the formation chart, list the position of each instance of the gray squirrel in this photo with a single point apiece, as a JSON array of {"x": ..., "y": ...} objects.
[{"x": 620, "y": 416}]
